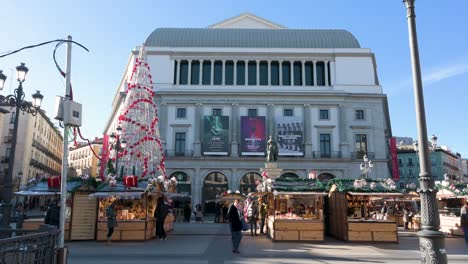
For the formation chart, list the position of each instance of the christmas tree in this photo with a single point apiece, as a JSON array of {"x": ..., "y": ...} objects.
[{"x": 143, "y": 155}]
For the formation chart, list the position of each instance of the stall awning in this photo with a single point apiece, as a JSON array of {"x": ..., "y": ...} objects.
[
  {"x": 35, "y": 193},
  {"x": 376, "y": 194},
  {"x": 301, "y": 193},
  {"x": 119, "y": 195}
]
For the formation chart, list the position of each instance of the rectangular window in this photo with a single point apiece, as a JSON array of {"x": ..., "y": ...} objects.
[
  {"x": 320, "y": 68},
  {"x": 325, "y": 146},
  {"x": 206, "y": 73},
  {"x": 252, "y": 112},
  {"x": 274, "y": 74},
  {"x": 263, "y": 73},
  {"x": 240, "y": 73},
  {"x": 324, "y": 114},
  {"x": 183, "y": 72},
  {"x": 359, "y": 114},
  {"x": 361, "y": 145},
  {"x": 286, "y": 72},
  {"x": 309, "y": 75},
  {"x": 329, "y": 73},
  {"x": 410, "y": 172},
  {"x": 297, "y": 73},
  {"x": 12, "y": 118},
  {"x": 180, "y": 144},
  {"x": 195, "y": 78},
  {"x": 217, "y": 112},
  {"x": 400, "y": 163},
  {"x": 8, "y": 152},
  {"x": 175, "y": 79},
  {"x": 288, "y": 112},
  {"x": 218, "y": 72},
  {"x": 410, "y": 162},
  {"x": 229, "y": 73},
  {"x": 252, "y": 73},
  {"x": 181, "y": 113}
]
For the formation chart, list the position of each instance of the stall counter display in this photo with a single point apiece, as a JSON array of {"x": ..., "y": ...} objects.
[
  {"x": 297, "y": 216},
  {"x": 449, "y": 213}
]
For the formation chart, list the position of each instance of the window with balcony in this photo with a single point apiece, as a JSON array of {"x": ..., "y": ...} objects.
[
  {"x": 180, "y": 143},
  {"x": 325, "y": 146},
  {"x": 361, "y": 145}
]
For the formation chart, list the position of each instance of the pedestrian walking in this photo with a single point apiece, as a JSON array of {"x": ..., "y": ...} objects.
[
  {"x": 407, "y": 215},
  {"x": 187, "y": 212},
  {"x": 52, "y": 216},
  {"x": 111, "y": 221},
  {"x": 252, "y": 216},
  {"x": 199, "y": 213},
  {"x": 384, "y": 210},
  {"x": 160, "y": 215},
  {"x": 464, "y": 220},
  {"x": 262, "y": 214},
  {"x": 235, "y": 224}
]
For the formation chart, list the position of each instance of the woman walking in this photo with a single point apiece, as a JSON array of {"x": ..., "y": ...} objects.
[
  {"x": 111, "y": 221},
  {"x": 160, "y": 214}
]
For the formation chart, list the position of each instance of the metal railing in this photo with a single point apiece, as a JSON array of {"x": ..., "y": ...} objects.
[
  {"x": 29, "y": 246},
  {"x": 360, "y": 155},
  {"x": 176, "y": 153},
  {"x": 327, "y": 155}
]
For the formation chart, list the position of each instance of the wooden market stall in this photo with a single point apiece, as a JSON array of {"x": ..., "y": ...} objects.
[
  {"x": 449, "y": 203},
  {"x": 135, "y": 212},
  {"x": 355, "y": 213},
  {"x": 80, "y": 210}
]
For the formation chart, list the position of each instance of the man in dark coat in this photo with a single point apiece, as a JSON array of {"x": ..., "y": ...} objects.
[
  {"x": 160, "y": 214},
  {"x": 464, "y": 220},
  {"x": 234, "y": 216},
  {"x": 52, "y": 216}
]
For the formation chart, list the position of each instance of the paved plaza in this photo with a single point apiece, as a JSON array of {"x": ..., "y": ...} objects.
[{"x": 210, "y": 243}]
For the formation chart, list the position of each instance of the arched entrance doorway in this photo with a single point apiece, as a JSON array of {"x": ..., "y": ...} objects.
[
  {"x": 325, "y": 177},
  {"x": 214, "y": 184},
  {"x": 247, "y": 183},
  {"x": 184, "y": 186},
  {"x": 290, "y": 175}
]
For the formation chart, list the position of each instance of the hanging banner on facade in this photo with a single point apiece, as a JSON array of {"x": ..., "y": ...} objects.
[
  {"x": 289, "y": 136},
  {"x": 253, "y": 136},
  {"x": 216, "y": 135},
  {"x": 394, "y": 156}
]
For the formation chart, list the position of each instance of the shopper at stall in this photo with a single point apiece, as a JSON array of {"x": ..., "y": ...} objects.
[
  {"x": 407, "y": 216},
  {"x": 52, "y": 216},
  {"x": 199, "y": 213},
  {"x": 187, "y": 212},
  {"x": 160, "y": 215},
  {"x": 262, "y": 214},
  {"x": 111, "y": 221},
  {"x": 464, "y": 220},
  {"x": 234, "y": 216},
  {"x": 252, "y": 216},
  {"x": 384, "y": 210}
]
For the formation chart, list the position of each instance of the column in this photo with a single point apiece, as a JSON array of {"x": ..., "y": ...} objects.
[
  {"x": 291, "y": 67},
  {"x": 197, "y": 186},
  {"x": 303, "y": 73},
  {"x": 325, "y": 63},
  {"x": 332, "y": 73},
  {"x": 200, "y": 76},
  {"x": 307, "y": 131},
  {"x": 280, "y": 72},
  {"x": 235, "y": 73},
  {"x": 189, "y": 78},
  {"x": 269, "y": 73},
  {"x": 223, "y": 73},
  {"x": 246, "y": 72},
  {"x": 257, "y": 62},
  {"x": 314, "y": 70},
  {"x": 164, "y": 124},
  {"x": 271, "y": 120},
  {"x": 342, "y": 127},
  {"x": 178, "y": 73},
  {"x": 234, "y": 130},
  {"x": 198, "y": 127},
  {"x": 212, "y": 73}
]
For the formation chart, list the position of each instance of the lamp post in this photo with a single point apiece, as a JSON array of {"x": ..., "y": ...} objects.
[
  {"x": 431, "y": 240},
  {"x": 367, "y": 165},
  {"x": 118, "y": 145},
  {"x": 19, "y": 177},
  {"x": 17, "y": 101}
]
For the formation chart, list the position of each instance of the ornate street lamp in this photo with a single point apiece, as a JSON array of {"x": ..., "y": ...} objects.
[
  {"x": 431, "y": 240},
  {"x": 118, "y": 145},
  {"x": 17, "y": 101}
]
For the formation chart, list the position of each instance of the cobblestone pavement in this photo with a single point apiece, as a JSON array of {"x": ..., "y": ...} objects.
[{"x": 210, "y": 243}]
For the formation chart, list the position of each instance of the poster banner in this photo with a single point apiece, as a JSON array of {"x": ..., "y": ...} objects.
[
  {"x": 104, "y": 156},
  {"x": 289, "y": 136},
  {"x": 394, "y": 156},
  {"x": 253, "y": 136},
  {"x": 216, "y": 135}
]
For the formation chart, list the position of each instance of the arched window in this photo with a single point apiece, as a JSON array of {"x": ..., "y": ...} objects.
[
  {"x": 214, "y": 184},
  {"x": 290, "y": 175},
  {"x": 325, "y": 177},
  {"x": 183, "y": 182},
  {"x": 248, "y": 182}
]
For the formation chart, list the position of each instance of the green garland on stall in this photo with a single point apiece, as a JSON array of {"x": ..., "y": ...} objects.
[
  {"x": 456, "y": 187},
  {"x": 347, "y": 185}
]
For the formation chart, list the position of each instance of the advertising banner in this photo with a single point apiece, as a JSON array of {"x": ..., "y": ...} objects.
[
  {"x": 216, "y": 135},
  {"x": 289, "y": 136},
  {"x": 253, "y": 136},
  {"x": 394, "y": 156}
]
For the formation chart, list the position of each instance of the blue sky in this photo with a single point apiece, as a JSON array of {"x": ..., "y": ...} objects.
[{"x": 110, "y": 29}]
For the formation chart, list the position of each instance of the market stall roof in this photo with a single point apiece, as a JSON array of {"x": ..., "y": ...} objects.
[
  {"x": 446, "y": 194},
  {"x": 42, "y": 189},
  {"x": 376, "y": 194},
  {"x": 301, "y": 193},
  {"x": 120, "y": 191}
]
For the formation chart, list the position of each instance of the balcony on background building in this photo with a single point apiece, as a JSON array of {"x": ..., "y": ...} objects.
[
  {"x": 4, "y": 159},
  {"x": 360, "y": 155},
  {"x": 327, "y": 155},
  {"x": 177, "y": 153},
  {"x": 7, "y": 139}
]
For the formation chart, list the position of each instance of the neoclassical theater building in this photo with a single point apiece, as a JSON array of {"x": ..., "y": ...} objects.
[{"x": 222, "y": 91}]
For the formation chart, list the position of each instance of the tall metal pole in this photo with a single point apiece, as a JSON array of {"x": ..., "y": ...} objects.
[
  {"x": 63, "y": 193},
  {"x": 431, "y": 240},
  {"x": 8, "y": 182}
]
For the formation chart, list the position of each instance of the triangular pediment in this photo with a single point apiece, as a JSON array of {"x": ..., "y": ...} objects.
[{"x": 247, "y": 20}]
